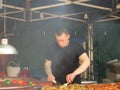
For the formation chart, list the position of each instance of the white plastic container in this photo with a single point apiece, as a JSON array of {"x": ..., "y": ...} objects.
[{"x": 13, "y": 71}]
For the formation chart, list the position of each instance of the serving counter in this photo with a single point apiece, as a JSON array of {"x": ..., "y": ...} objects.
[
  {"x": 17, "y": 88},
  {"x": 19, "y": 84},
  {"x": 33, "y": 84}
]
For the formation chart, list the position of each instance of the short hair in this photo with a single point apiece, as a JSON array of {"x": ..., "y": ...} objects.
[{"x": 60, "y": 31}]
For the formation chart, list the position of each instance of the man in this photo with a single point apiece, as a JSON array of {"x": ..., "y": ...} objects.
[{"x": 65, "y": 60}]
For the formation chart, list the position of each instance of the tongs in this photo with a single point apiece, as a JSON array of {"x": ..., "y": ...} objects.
[
  {"x": 55, "y": 82},
  {"x": 65, "y": 84}
]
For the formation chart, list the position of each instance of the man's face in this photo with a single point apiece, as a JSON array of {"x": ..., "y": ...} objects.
[{"x": 63, "y": 39}]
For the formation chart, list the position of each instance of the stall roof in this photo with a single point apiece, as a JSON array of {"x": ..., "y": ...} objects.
[{"x": 96, "y": 10}]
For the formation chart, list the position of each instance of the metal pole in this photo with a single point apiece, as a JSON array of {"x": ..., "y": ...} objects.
[{"x": 90, "y": 51}]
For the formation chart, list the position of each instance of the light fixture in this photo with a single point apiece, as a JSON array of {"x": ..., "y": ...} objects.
[
  {"x": 6, "y": 48},
  {"x": 41, "y": 15},
  {"x": 85, "y": 15},
  {"x": 118, "y": 6}
]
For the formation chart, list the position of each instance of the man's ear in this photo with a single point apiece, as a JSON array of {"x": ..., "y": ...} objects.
[{"x": 68, "y": 36}]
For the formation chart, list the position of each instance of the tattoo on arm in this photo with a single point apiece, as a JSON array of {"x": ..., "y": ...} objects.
[{"x": 48, "y": 69}]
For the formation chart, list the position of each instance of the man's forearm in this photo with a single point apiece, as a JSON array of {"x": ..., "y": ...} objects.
[
  {"x": 48, "y": 70},
  {"x": 47, "y": 67},
  {"x": 82, "y": 67}
]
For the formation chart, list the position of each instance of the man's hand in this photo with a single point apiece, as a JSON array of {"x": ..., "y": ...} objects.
[
  {"x": 51, "y": 78},
  {"x": 70, "y": 77}
]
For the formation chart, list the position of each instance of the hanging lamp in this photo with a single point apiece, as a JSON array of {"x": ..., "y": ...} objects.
[{"x": 6, "y": 48}]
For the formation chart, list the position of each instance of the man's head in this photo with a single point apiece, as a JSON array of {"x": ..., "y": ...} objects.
[{"x": 62, "y": 37}]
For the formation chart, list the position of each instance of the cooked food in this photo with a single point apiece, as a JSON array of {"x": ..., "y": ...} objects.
[
  {"x": 68, "y": 87},
  {"x": 105, "y": 86}
]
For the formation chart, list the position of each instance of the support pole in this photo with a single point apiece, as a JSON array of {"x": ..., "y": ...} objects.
[{"x": 90, "y": 51}]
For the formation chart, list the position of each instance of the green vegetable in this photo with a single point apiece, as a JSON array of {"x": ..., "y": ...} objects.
[
  {"x": 29, "y": 82},
  {"x": 8, "y": 82}
]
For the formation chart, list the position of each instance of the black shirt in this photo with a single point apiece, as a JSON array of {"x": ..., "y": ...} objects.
[{"x": 65, "y": 60}]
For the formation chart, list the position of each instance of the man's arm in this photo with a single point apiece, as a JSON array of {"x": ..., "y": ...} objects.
[
  {"x": 48, "y": 70},
  {"x": 47, "y": 67},
  {"x": 84, "y": 64}
]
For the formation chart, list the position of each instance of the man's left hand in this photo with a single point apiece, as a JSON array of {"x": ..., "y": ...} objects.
[{"x": 70, "y": 77}]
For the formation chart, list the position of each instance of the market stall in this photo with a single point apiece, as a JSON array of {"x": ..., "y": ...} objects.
[{"x": 46, "y": 14}]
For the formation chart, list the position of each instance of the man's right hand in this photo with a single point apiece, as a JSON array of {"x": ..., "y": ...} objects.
[{"x": 51, "y": 77}]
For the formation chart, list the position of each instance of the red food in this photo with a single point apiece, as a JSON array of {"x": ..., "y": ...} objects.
[
  {"x": 25, "y": 82},
  {"x": 42, "y": 84},
  {"x": 15, "y": 82}
]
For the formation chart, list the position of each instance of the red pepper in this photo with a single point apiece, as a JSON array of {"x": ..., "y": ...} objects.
[
  {"x": 25, "y": 82},
  {"x": 15, "y": 82}
]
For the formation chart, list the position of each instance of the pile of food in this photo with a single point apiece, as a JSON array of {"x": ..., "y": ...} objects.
[
  {"x": 68, "y": 87},
  {"x": 110, "y": 86},
  {"x": 22, "y": 82},
  {"x": 17, "y": 82},
  {"x": 107, "y": 86}
]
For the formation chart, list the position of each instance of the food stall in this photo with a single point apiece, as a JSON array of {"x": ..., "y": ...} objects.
[{"x": 31, "y": 84}]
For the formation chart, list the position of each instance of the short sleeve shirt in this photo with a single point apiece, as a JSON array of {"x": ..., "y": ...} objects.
[{"x": 64, "y": 60}]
